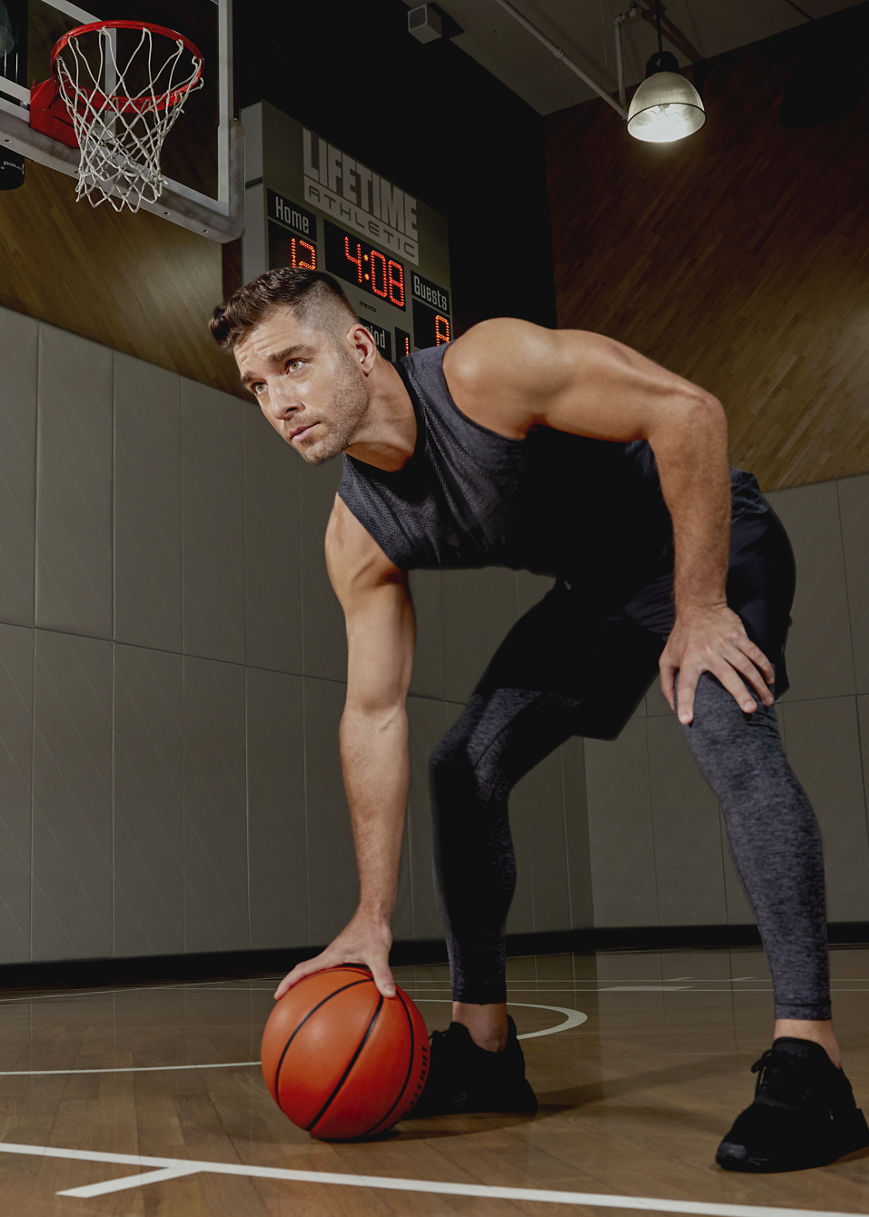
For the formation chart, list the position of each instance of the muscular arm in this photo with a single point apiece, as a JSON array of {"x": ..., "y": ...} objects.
[
  {"x": 513, "y": 376},
  {"x": 373, "y": 737},
  {"x": 373, "y": 734}
]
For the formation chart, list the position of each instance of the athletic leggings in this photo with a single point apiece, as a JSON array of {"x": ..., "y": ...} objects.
[{"x": 561, "y": 672}]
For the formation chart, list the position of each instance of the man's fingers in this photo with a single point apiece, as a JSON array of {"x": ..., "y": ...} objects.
[
  {"x": 737, "y": 690},
  {"x": 299, "y": 972},
  {"x": 752, "y": 677},
  {"x": 749, "y": 662},
  {"x": 383, "y": 980},
  {"x": 687, "y": 688},
  {"x": 761, "y": 672},
  {"x": 668, "y": 677}
]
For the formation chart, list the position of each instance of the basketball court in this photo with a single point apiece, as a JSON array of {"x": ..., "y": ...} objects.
[
  {"x": 145, "y": 1100},
  {"x": 140, "y": 1099}
]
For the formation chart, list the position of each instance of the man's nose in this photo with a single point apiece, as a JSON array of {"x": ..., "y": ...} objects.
[{"x": 283, "y": 403}]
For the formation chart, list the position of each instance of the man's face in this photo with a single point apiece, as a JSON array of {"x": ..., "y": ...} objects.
[{"x": 307, "y": 384}]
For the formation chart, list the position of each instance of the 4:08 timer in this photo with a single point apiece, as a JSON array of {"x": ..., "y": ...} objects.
[{"x": 358, "y": 262}]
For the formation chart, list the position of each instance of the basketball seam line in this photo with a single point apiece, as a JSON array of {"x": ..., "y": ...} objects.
[
  {"x": 403, "y": 1086},
  {"x": 310, "y": 1013},
  {"x": 353, "y": 1061}
]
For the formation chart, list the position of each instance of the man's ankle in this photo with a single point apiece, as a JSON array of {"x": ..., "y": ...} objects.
[
  {"x": 486, "y": 1024},
  {"x": 818, "y": 1031}
]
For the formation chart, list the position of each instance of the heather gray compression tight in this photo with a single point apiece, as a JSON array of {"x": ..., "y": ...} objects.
[{"x": 770, "y": 824}]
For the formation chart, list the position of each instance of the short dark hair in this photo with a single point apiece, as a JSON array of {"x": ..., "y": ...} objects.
[{"x": 284, "y": 286}]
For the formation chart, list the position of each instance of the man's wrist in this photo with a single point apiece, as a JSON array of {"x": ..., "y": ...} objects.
[
  {"x": 688, "y": 609},
  {"x": 375, "y": 912}
]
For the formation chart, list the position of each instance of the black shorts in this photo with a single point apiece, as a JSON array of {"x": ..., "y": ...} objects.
[{"x": 603, "y": 663}]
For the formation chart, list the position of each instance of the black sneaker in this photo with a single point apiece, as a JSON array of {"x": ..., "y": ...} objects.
[
  {"x": 803, "y": 1113},
  {"x": 463, "y": 1077}
]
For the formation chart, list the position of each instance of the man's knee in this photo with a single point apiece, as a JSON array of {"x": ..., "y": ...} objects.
[
  {"x": 730, "y": 746},
  {"x": 461, "y": 771},
  {"x": 451, "y": 773}
]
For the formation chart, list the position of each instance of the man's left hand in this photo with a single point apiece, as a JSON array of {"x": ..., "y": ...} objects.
[{"x": 714, "y": 640}]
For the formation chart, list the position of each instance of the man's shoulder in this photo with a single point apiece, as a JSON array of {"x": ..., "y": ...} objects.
[
  {"x": 487, "y": 373},
  {"x": 485, "y": 345},
  {"x": 352, "y": 554}
]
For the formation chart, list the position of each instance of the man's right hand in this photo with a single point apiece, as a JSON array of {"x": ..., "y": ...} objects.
[{"x": 364, "y": 940}]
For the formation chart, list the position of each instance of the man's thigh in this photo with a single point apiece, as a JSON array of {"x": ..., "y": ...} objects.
[
  {"x": 760, "y": 589},
  {"x": 599, "y": 669}
]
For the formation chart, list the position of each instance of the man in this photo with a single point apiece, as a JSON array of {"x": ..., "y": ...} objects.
[{"x": 568, "y": 454}]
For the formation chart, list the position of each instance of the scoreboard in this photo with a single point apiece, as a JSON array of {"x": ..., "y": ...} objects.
[{"x": 310, "y": 204}]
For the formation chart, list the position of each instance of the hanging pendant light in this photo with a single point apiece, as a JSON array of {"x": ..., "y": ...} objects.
[{"x": 666, "y": 106}]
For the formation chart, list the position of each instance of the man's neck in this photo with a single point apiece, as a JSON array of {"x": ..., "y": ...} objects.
[{"x": 388, "y": 436}]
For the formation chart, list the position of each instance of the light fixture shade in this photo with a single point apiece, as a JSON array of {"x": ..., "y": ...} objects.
[{"x": 665, "y": 107}]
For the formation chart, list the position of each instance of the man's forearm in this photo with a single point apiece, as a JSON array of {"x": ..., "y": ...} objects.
[
  {"x": 376, "y": 767},
  {"x": 695, "y": 480}
]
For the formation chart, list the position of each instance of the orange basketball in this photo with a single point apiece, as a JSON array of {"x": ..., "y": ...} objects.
[{"x": 340, "y": 1060}]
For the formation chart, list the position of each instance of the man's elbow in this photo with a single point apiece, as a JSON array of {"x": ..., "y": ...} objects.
[
  {"x": 703, "y": 412},
  {"x": 691, "y": 417}
]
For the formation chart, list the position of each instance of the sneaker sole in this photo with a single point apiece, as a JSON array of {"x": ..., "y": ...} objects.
[
  {"x": 853, "y": 1135},
  {"x": 523, "y": 1104}
]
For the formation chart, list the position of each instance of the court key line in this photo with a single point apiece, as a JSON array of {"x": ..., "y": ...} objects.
[
  {"x": 573, "y": 1018},
  {"x": 173, "y": 1168}
]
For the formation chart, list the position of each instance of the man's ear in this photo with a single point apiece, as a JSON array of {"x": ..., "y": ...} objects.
[{"x": 363, "y": 346}]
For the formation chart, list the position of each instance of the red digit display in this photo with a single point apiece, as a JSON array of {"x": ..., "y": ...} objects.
[
  {"x": 356, "y": 260},
  {"x": 396, "y": 284},
  {"x": 303, "y": 255},
  {"x": 442, "y": 330},
  {"x": 377, "y": 259}
]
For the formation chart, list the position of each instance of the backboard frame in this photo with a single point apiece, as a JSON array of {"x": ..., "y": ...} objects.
[{"x": 219, "y": 218}]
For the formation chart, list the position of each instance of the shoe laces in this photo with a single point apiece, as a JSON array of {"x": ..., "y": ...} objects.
[{"x": 783, "y": 1077}]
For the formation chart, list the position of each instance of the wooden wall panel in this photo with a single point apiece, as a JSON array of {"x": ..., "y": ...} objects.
[
  {"x": 739, "y": 257},
  {"x": 143, "y": 286},
  {"x": 133, "y": 282}
]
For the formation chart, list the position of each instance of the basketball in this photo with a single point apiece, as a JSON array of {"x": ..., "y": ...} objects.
[{"x": 342, "y": 1061}]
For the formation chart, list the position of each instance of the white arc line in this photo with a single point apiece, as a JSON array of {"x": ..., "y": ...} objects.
[
  {"x": 572, "y": 1018},
  {"x": 435, "y": 1187}
]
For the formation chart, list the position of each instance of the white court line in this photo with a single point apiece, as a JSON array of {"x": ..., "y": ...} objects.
[
  {"x": 572, "y": 1018},
  {"x": 52, "y": 1073},
  {"x": 648, "y": 989},
  {"x": 128, "y": 1181},
  {"x": 167, "y": 1168},
  {"x": 60, "y": 994},
  {"x": 548, "y": 986}
]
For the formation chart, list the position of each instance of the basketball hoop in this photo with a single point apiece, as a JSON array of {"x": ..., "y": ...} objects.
[{"x": 123, "y": 83}]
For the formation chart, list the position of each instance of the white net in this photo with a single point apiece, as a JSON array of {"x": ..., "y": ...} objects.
[{"x": 124, "y": 89}]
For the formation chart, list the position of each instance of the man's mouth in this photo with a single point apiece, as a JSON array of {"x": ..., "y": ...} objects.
[{"x": 301, "y": 433}]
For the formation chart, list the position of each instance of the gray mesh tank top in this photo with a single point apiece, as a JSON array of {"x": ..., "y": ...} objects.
[{"x": 553, "y": 503}]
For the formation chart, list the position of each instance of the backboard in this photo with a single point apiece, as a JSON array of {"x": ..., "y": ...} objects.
[{"x": 202, "y": 160}]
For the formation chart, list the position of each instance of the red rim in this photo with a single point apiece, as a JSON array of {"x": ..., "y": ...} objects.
[{"x": 143, "y": 102}]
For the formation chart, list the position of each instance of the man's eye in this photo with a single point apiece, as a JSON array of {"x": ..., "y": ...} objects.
[
  {"x": 294, "y": 365},
  {"x": 258, "y": 389}
]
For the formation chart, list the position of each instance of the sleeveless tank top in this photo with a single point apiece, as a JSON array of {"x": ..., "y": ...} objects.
[{"x": 552, "y": 503}]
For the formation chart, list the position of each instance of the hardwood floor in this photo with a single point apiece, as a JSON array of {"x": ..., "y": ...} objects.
[{"x": 633, "y": 1101}]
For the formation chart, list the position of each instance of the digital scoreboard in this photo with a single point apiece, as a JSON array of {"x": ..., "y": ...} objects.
[{"x": 310, "y": 204}]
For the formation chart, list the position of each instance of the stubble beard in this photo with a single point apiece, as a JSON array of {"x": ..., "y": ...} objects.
[{"x": 348, "y": 411}]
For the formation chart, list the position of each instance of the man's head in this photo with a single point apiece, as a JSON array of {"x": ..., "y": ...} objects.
[
  {"x": 312, "y": 296},
  {"x": 303, "y": 355}
]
